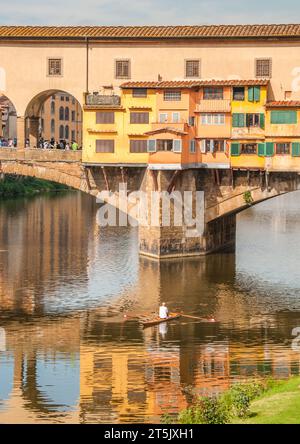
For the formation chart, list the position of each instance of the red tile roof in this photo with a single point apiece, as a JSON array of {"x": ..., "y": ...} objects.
[
  {"x": 284, "y": 103},
  {"x": 192, "y": 83},
  {"x": 144, "y": 32}
]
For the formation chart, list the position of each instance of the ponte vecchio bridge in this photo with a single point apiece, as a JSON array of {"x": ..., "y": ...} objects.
[{"x": 37, "y": 62}]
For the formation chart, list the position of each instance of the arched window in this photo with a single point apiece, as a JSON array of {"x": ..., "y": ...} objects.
[
  {"x": 52, "y": 127},
  {"x": 67, "y": 113},
  {"x": 61, "y": 113},
  {"x": 67, "y": 131},
  {"x": 52, "y": 107},
  {"x": 61, "y": 132}
]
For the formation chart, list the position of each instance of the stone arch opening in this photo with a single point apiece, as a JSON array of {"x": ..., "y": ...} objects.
[
  {"x": 8, "y": 122},
  {"x": 61, "y": 114}
]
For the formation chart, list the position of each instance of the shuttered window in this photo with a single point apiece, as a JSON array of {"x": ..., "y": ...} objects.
[
  {"x": 105, "y": 117},
  {"x": 283, "y": 148},
  {"x": 235, "y": 149},
  {"x": 269, "y": 149},
  {"x": 254, "y": 93},
  {"x": 105, "y": 146},
  {"x": 122, "y": 69},
  {"x": 139, "y": 92},
  {"x": 192, "y": 68},
  {"x": 263, "y": 67},
  {"x": 177, "y": 145},
  {"x": 288, "y": 117},
  {"x": 296, "y": 149},
  {"x": 54, "y": 67},
  {"x": 261, "y": 149},
  {"x": 139, "y": 117},
  {"x": 238, "y": 120},
  {"x": 151, "y": 145},
  {"x": 192, "y": 146},
  {"x": 138, "y": 146}
]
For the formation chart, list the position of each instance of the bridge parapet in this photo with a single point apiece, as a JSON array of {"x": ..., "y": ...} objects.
[{"x": 40, "y": 155}]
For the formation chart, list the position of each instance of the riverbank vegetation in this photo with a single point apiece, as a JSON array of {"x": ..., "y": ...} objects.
[
  {"x": 255, "y": 402},
  {"x": 15, "y": 186}
]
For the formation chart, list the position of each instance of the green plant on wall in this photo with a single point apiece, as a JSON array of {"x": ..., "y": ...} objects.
[{"x": 248, "y": 197}]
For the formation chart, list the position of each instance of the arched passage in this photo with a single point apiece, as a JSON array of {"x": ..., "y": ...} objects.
[
  {"x": 61, "y": 114},
  {"x": 8, "y": 122}
]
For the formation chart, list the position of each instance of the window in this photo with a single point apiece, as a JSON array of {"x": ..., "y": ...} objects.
[
  {"x": 192, "y": 146},
  {"x": 73, "y": 116},
  {"x": 67, "y": 113},
  {"x": 105, "y": 117},
  {"x": 73, "y": 135},
  {"x": 52, "y": 107},
  {"x": 139, "y": 117},
  {"x": 67, "y": 98},
  {"x": 62, "y": 98},
  {"x": 139, "y": 92},
  {"x": 287, "y": 117},
  {"x": 163, "y": 117},
  {"x": 61, "y": 132},
  {"x": 248, "y": 148},
  {"x": 52, "y": 126},
  {"x": 61, "y": 113},
  {"x": 164, "y": 145},
  {"x": 172, "y": 95},
  {"x": 239, "y": 93},
  {"x": 176, "y": 117},
  {"x": 151, "y": 146},
  {"x": 54, "y": 67},
  {"x": 252, "y": 119},
  {"x": 213, "y": 93},
  {"x": 138, "y": 146},
  {"x": 192, "y": 68},
  {"x": 254, "y": 93},
  {"x": 214, "y": 145},
  {"x": 263, "y": 67},
  {"x": 67, "y": 132},
  {"x": 122, "y": 69},
  {"x": 105, "y": 146},
  {"x": 192, "y": 120},
  {"x": 212, "y": 119},
  {"x": 282, "y": 148}
]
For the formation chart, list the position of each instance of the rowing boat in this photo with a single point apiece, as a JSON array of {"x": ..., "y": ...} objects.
[{"x": 157, "y": 320}]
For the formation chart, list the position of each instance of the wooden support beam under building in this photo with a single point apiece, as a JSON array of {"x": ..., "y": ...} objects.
[
  {"x": 172, "y": 183},
  {"x": 105, "y": 178},
  {"x": 153, "y": 174}
]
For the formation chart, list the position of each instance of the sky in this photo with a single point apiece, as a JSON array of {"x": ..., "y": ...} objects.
[{"x": 147, "y": 12}]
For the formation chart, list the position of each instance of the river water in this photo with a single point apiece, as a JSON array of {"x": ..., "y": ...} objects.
[{"x": 66, "y": 353}]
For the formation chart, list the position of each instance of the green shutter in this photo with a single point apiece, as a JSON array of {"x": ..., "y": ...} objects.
[
  {"x": 261, "y": 149},
  {"x": 296, "y": 149},
  {"x": 262, "y": 121},
  {"x": 250, "y": 93},
  {"x": 235, "y": 149},
  {"x": 238, "y": 120},
  {"x": 256, "y": 93},
  {"x": 269, "y": 149},
  {"x": 288, "y": 117}
]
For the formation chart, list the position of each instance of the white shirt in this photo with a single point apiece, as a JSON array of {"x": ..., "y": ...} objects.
[{"x": 163, "y": 312}]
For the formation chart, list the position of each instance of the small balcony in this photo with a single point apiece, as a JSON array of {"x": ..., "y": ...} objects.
[
  {"x": 214, "y": 106},
  {"x": 105, "y": 101}
]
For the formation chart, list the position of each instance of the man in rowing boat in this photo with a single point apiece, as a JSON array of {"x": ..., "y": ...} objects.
[{"x": 163, "y": 311}]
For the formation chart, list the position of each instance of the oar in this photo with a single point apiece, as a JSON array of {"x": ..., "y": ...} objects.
[{"x": 196, "y": 317}]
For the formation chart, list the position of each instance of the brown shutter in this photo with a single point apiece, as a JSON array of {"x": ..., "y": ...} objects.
[
  {"x": 139, "y": 117},
  {"x": 138, "y": 146},
  {"x": 105, "y": 146},
  {"x": 105, "y": 117}
]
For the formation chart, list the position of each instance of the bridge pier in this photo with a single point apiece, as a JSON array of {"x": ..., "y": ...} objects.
[
  {"x": 21, "y": 131},
  {"x": 33, "y": 132},
  {"x": 180, "y": 241}
]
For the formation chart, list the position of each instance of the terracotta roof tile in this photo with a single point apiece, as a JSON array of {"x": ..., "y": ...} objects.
[
  {"x": 203, "y": 31},
  {"x": 283, "y": 103},
  {"x": 192, "y": 83}
]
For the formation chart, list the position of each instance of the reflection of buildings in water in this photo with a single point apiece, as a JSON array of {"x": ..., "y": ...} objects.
[{"x": 40, "y": 245}]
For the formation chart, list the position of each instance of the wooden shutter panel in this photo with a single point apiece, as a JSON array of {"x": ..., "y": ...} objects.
[
  {"x": 269, "y": 149},
  {"x": 235, "y": 149},
  {"x": 261, "y": 149},
  {"x": 256, "y": 93},
  {"x": 288, "y": 117},
  {"x": 296, "y": 149},
  {"x": 250, "y": 93},
  {"x": 203, "y": 146},
  {"x": 177, "y": 145},
  {"x": 262, "y": 121},
  {"x": 151, "y": 146},
  {"x": 235, "y": 120}
]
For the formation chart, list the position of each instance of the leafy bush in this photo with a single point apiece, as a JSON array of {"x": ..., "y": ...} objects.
[{"x": 208, "y": 410}]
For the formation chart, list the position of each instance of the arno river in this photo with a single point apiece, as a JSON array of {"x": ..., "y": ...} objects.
[{"x": 66, "y": 354}]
